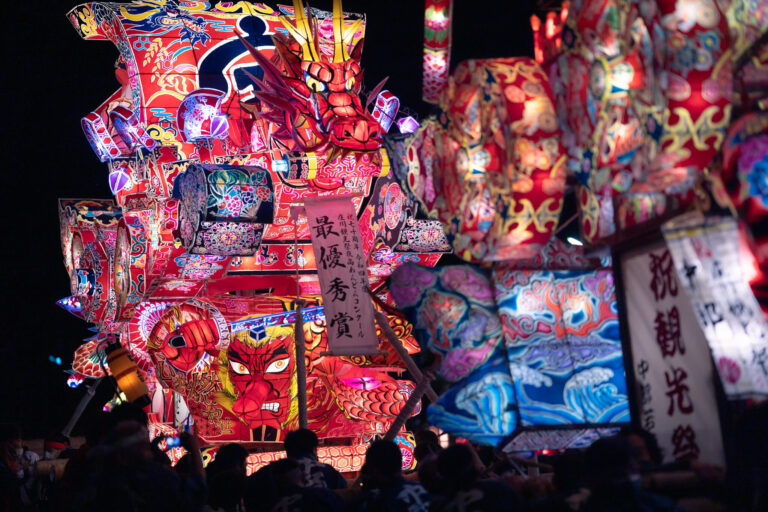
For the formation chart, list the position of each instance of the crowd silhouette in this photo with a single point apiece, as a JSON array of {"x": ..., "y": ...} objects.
[{"x": 119, "y": 469}]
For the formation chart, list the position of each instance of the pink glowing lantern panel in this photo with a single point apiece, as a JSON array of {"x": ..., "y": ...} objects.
[
  {"x": 200, "y": 117},
  {"x": 99, "y": 138}
]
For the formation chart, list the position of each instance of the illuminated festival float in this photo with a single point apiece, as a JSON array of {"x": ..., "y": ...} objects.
[{"x": 272, "y": 256}]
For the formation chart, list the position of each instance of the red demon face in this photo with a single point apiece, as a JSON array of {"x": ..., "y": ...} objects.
[{"x": 261, "y": 376}]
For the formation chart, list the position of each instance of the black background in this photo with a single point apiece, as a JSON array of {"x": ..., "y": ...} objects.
[{"x": 51, "y": 78}]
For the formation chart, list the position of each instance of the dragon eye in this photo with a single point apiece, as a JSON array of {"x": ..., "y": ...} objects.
[
  {"x": 313, "y": 83},
  {"x": 239, "y": 368},
  {"x": 350, "y": 83},
  {"x": 277, "y": 366}
]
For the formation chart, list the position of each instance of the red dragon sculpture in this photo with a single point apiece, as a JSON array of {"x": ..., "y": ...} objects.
[{"x": 308, "y": 101}]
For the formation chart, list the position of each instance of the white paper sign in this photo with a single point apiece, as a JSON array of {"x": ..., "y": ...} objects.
[
  {"x": 341, "y": 267},
  {"x": 708, "y": 264},
  {"x": 671, "y": 359}
]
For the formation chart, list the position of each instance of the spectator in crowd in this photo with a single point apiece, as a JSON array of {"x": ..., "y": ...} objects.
[
  {"x": 226, "y": 478},
  {"x": 120, "y": 473},
  {"x": 301, "y": 445},
  {"x": 463, "y": 490},
  {"x": 383, "y": 487},
  {"x": 426, "y": 451},
  {"x": 55, "y": 445},
  {"x": 613, "y": 481},
  {"x": 570, "y": 489}
]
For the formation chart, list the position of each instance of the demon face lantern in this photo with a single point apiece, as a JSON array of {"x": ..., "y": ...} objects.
[
  {"x": 313, "y": 100},
  {"x": 258, "y": 376}
]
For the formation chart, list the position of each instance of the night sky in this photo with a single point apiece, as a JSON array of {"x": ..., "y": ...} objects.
[{"x": 50, "y": 79}]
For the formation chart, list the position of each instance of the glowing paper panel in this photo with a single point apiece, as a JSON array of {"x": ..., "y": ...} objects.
[
  {"x": 454, "y": 314},
  {"x": 527, "y": 350},
  {"x": 437, "y": 48},
  {"x": 562, "y": 336},
  {"x": 341, "y": 266},
  {"x": 385, "y": 111},
  {"x": 672, "y": 366},
  {"x": 494, "y": 173},
  {"x": 707, "y": 260},
  {"x": 481, "y": 407}
]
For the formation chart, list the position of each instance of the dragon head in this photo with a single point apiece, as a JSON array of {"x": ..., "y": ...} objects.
[{"x": 312, "y": 100}]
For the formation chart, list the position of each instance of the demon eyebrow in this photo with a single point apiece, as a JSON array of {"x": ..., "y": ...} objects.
[
  {"x": 279, "y": 352},
  {"x": 235, "y": 354}
]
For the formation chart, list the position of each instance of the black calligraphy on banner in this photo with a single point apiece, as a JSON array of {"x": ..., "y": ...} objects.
[
  {"x": 709, "y": 314},
  {"x": 645, "y": 396},
  {"x": 343, "y": 275},
  {"x": 684, "y": 442},
  {"x": 340, "y": 322},
  {"x": 331, "y": 257},
  {"x": 741, "y": 312},
  {"x": 324, "y": 227},
  {"x": 663, "y": 272},
  {"x": 760, "y": 358},
  {"x": 690, "y": 273},
  {"x": 678, "y": 391},
  {"x": 338, "y": 290},
  {"x": 668, "y": 333}
]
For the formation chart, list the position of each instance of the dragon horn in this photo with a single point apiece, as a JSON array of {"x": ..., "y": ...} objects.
[
  {"x": 339, "y": 47},
  {"x": 302, "y": 32},
  {"x": 350, "y": 32}
]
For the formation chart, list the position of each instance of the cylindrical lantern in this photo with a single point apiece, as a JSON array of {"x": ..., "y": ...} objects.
[
  {"x": 224, "y": 208},
  {"x": 126, "y": 375}
]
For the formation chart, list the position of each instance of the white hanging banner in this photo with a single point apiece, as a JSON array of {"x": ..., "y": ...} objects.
[
  {"x": 341, "y": 267},
  {"x": 672, "y": 365},
  {"x": 706, "y": 254}
]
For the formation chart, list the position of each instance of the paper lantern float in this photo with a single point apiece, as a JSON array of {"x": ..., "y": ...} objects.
[
  {"x": 495, "y": 175},
  {"x": 385, "y": 109},
  {"x": 407, "y": 125},
  {"x": 747, "y": 22},
  {"x": 545, "y": 341},
  {"x": 626, "y": 136},
  {"x": 72, "y": 305},
  {"x": 87, "y": 359},
  {"x": 251, "y": 373},
  {"x": 127, "y": 375},
  {"x": 145, "y": 268},
  {"x": 745, "y": 153},
  {"x": 99, "y": 138}
]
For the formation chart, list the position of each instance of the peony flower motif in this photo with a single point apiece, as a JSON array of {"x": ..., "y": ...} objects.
[
  {"x": 234, "y": 204},
  {"x": 729, "y": 370},
  {"x": 263, "y": 193}
]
